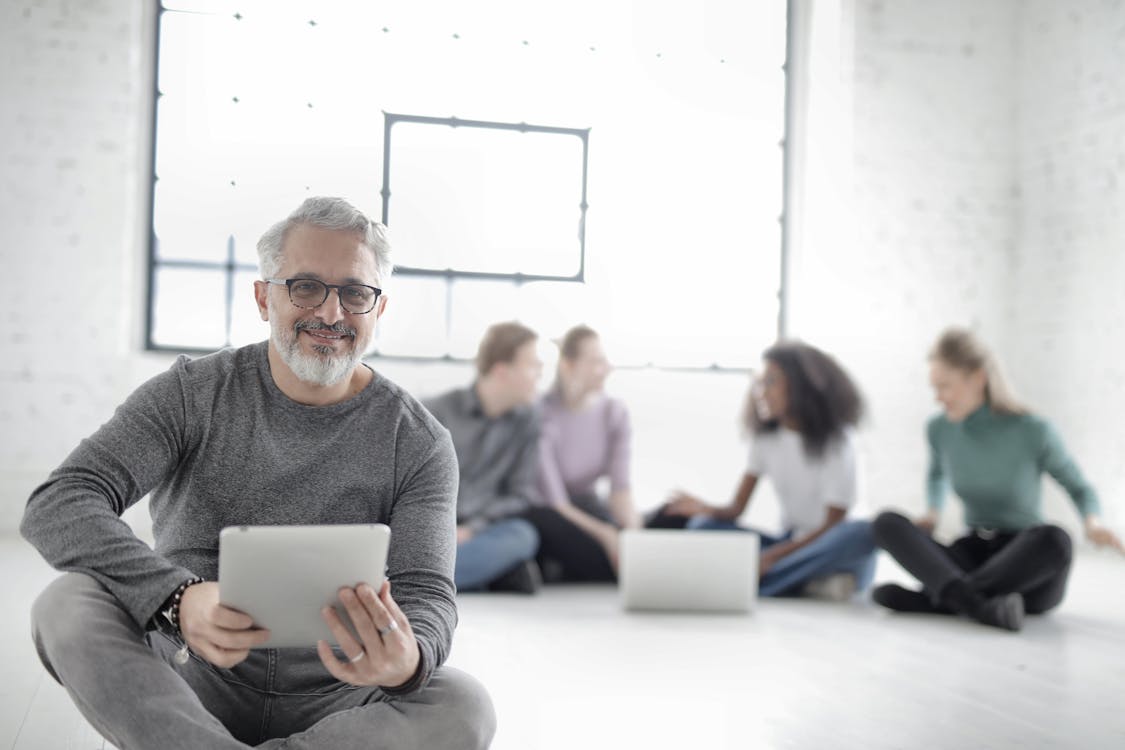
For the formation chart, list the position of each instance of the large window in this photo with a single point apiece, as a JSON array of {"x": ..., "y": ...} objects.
[{"x": 644, "y": 198}]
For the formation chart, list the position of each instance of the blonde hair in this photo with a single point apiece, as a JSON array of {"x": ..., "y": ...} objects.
[{"x": 960, "y": 349}]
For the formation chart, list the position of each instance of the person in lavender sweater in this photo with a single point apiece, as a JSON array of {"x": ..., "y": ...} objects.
[{"x": 584, "y": 437}]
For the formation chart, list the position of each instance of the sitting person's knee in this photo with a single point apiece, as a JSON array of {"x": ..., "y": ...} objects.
[
  {"x": 886, "y": 524},
  {"x": 859, "y": 533},
  {"x": 467, "y": 709},
  {"x": 1055, "y": 541},
  {"x": 526, "y": 534},
  {"x": 55, "y": 608},
  {"x": 55, "y": 624}
]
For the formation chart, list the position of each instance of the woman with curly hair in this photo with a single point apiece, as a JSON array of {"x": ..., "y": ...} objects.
[
  {"x": 994, "y": 451},
  {"x": 801, "y": 415}
]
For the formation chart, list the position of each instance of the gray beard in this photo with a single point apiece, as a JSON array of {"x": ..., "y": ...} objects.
[{"x": 323, "y": 368}]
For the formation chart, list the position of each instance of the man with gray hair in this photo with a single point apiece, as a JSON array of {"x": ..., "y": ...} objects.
[{"x": 295, "y": 430}]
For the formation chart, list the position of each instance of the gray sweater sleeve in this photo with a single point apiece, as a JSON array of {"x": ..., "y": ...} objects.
[
  {"x": 217, "y": 444},
  {"x": 73, "y": 518},
  {"x": 421, "y": 565}
]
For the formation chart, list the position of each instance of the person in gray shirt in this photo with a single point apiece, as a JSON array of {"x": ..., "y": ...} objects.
[
  {"x": 296, "y": 430},
  {"x": 496, "y": 433}
]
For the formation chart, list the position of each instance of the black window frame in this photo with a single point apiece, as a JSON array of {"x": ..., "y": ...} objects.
[
  {"x": 230, "y": 267},
  {"x": 390, "y": 119}
]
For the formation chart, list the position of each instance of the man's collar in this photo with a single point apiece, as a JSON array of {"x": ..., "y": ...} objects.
[
  {"x": 470, "y": 401},
  {"x": 472, "y": 404}
]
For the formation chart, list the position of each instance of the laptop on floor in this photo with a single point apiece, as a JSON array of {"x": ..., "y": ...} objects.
[{"x": 678, "y": 571}]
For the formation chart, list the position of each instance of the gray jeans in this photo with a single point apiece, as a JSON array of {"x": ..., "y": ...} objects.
[{"x": 126, "y": 684}]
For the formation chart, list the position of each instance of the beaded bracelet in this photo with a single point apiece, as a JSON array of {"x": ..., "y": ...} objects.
[{"x": 172, "y": 614}]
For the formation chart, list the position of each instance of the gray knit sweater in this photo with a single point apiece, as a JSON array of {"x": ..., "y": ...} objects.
[{"x": 218, "y": 444}]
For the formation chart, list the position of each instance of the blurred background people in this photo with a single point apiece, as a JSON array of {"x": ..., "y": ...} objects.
[
  {"x": 801, "y": 415},
  {"x": 585, "y": 437},
  {"x": 495, "y": 434},
  {"x": 994, "y": 451}
]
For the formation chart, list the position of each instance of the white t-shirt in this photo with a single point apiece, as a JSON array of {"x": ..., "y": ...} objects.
[{"x": 805, "y": 486}]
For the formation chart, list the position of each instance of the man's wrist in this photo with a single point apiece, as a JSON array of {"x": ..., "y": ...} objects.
[
  {"x": 415, "y": 679},
  {"x": 167, "y": 617}
]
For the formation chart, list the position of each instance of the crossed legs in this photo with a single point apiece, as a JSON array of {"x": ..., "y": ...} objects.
[{"x": 134, "y": 696}]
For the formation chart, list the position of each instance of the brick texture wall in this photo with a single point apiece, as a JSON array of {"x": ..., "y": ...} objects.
[
  {"x": 1066, "y": 312},
  {"x": 989, "y": 152},
  {"x": 74, "y": 82},
  {"x": 931, "y": 218}
]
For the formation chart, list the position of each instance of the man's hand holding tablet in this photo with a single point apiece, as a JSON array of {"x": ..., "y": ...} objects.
[
  {"x": 290, "y": 587},
  {"x": 221, "y": 635},
  {"x": 385, "y": 653}
]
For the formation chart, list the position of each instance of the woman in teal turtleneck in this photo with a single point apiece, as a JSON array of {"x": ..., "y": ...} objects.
[{"x": 994, "y": 453}]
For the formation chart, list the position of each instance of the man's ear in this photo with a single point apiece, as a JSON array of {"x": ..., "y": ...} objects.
[
  {"x": 261, "y": 289},
  {"x": 380, "y": 306},
  {"x": 502, "y": 372},
  {"x": 496, "y": 372}
]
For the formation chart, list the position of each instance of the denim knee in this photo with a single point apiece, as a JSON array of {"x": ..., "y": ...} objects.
[
  {"x": 524, "y": 536},
  {"x": 55, "y": 624},
  {"x": 467, "y": 712},
  {"x": 857, "y": 536}
]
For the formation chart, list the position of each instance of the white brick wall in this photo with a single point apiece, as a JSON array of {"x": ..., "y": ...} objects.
[
  {"x": 932, "y": 217},
  {"x": 989, "y": 149},
  {"x": 989, "y": 162},
  {"x": 74, "y": 84},
  {"x": 1066, "y": 308}
]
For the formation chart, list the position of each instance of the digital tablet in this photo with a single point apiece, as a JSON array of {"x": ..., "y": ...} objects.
[{"x": 282, "y": 576}]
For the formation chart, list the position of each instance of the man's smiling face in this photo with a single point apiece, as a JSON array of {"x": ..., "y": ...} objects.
[{"x": 322, "y": 345}]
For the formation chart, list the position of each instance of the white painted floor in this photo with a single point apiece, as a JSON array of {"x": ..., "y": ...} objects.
[{"x": 568, "y": 669}]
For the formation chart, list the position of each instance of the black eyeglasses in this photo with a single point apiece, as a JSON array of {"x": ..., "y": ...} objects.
[{"x": 310, "y": 293}]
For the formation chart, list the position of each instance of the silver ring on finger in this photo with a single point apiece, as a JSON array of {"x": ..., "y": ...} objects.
[
  {"x": 392, "y": 626},
  {"x": 357, "y": 657}
]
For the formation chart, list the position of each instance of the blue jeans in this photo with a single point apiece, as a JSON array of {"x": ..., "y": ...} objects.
[
  {"x": 847, "y": 547},
  {"x": 493, "y": 551}
]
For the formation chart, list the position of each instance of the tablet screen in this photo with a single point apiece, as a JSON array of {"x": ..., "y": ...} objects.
[{"x": 282, "y": 576}]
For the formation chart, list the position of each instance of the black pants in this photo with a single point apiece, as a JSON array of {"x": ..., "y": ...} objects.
[
  {"x": 662, "y": 519},
  {"x": 580, "y": 556},
  {"x": 1034, "y": 562}
]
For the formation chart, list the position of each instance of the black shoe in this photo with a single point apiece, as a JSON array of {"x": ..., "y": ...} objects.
[
  {"x": 900, "y": 599},
  {"x": 1004, "y": 611},
  {"x": 524, "y": 578},
  {"x": 553, "y": 571}
]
